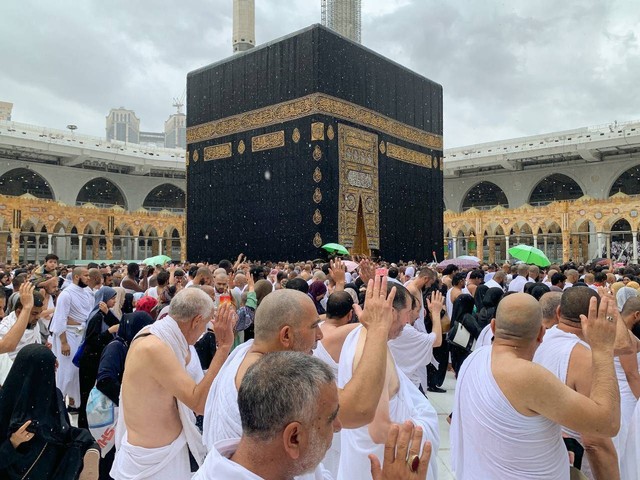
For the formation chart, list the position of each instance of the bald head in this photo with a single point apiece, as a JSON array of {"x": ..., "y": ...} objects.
[
  {"x": 518, "y": 318},
  {"x": 277, "y": 310},
  {"x": 631, "y": 306}
]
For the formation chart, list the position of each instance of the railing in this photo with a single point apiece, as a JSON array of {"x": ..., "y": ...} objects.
[{"x": 62, "y": 137}]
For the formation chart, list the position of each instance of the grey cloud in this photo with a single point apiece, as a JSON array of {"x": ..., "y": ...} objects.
[{"x": 508, "y": 68}]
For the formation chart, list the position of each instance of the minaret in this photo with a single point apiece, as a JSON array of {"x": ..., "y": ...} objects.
[{"x": 244, "y": 25}]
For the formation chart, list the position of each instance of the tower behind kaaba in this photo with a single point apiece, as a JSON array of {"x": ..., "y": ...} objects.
[{"x": 313, "y": 139}]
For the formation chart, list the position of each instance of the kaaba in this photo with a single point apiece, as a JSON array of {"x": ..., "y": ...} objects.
[{"x": 312, "y": 139}]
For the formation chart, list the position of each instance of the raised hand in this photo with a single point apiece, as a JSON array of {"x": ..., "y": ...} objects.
[
  {"x": 436, "y": 302},
  {"x": 224, "y": 325},
  {"x": 21, "y": 435},
  {"x": 26, "y": 295},
  {"x": 599, "y": 327},
  {"x": 367, "y": 270},
  {"x": 402, "y": 459},
  {"x": 103, "y": 307},
  {"x": 336, "y": 269},
  {"x": 378, "y": 306}
]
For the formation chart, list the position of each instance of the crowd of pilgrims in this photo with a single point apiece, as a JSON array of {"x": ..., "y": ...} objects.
[{"x": 308, "y": 370}]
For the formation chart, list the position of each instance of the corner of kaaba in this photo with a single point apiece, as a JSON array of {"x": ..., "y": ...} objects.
[{"x": 312, "y": 139}]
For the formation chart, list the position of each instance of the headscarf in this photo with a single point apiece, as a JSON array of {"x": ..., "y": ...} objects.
[
  {"x": 632, "y": 284},
  {"x": 616, "y": 286},
  {"x": 30, "y": 393},
  {"x": 463, "y": 305},
  {"x": 67, "y": 281},
  {"x": 538, "y": 290},
  {"x": 492, "y": 297},
  {"x": 117, "y": 308},
  {"x": 146, "y": 304},
  {"x": 316, "y": 289},
  {"x": 131, "y": 324},
  {"x": 410, "y": 272},
  {"x": 624, "y": 294},
  {"x": 104, "y": 294},
  {"x": 262, "y": 288},
  {"x": 478, "y": 297}
]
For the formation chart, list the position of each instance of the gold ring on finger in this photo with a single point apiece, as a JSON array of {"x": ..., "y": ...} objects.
[{"x": 413, "y": 462}]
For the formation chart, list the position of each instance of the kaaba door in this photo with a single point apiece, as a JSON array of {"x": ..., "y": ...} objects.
[
  {"x": 360, "y": 244},
  {"x": 358, "y": 211}
]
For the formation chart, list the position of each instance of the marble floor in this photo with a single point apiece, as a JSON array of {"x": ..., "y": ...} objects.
[{"x": 443, "y": 403}]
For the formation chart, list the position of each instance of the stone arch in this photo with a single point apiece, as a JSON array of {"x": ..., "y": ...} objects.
[
  {"x": 20, "y": 181},
  {"x": 484, "y": 195},
  {"x": 166, "y": 196},
  {"x": 102, "y": 191},
  {"x": 554, "y": 187},
  {"x": 627, "y": 182}
]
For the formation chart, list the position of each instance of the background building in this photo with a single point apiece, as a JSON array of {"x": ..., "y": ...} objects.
[
  {"x": 123, "y": 125},
  {"x": 5, "y": 111},
  {"x": 344, "y": 17}
]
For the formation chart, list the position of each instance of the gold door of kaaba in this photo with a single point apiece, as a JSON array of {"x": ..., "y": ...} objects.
[{"x": 358, "y": 205}]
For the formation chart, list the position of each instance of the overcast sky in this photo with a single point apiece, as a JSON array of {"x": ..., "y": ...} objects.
[{"x": 509, "y": 68}]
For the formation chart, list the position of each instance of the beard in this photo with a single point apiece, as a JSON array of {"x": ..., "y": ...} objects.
[
  {"x": 316, "y": 451},
  {"x": 81, "y": 284}
]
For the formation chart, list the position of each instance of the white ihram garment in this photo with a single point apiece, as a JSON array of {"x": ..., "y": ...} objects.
[
  {"x": 492, "y": 440},
  {"x": 30, "y": 335},
  {"x": 407, "y": 404},
  {"x": 331, "y": 460},
  {"x": 74, "y": 303},
  {"x": 630, "y": 457},
  {"x": 170, "y": 462},
  {"x": 413, "y": 351},
  {"x": 218, "y": 465},
  {"x": 221, "y": 412},
  {"x": 628, "y": 403}
]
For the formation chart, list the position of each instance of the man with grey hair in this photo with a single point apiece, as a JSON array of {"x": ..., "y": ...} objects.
[
  {"x": 572, "y": 277},
  {"x": 154, "y": 443},
  {"x": 287, "y": 320},
  {"x": 550, "y": 303},
  {"x": 518, "y": 283},
  {"x": 283, "y": 438}
]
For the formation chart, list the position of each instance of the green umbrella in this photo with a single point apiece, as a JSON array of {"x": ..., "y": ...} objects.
[
  {"x": 529, "y": 254},
  {"x": 335, "y": 248},
  {"x": 157, "y": 260}
]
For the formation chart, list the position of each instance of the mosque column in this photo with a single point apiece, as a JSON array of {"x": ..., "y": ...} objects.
[
  {"x": 49, "y": 243},
  {"x": 506, "y": 248},
  {"x": 81, "y": 250},
  {"x": 575, "y": 247},
  {"x": 4, "y": 239},
  {"x": 480, "y": 246},
  {"x": 37, "y": 248},
  {"x": 25, "y": 248},
  {"x": 95, "y": 248},
  {"x": 566, "y": 246},
  {"x": 183, "y": 249},
  {"x": 600, "y": 237},
  {"x": 584, "y": 242},
  {"x": 136, "y": 245},
  {"x": 454, "y": 254},
  {"x": 635, "y": 246},
  {"x": 492, "y": 249},
  {"x": 535, "y": 240},
  {"x": 15, "y": 246},
  {"x": 546, "y": 245},
  {"x": 160, "y": 246},
  {"x": 109, "y": 253},
  {"x": 608, "y": 245}
]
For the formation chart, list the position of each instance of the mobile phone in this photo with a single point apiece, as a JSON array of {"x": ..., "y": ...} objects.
[{"x": 382, "y": 272}]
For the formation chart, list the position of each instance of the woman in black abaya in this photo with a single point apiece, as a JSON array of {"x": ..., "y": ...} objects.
[{"x": 36, "y": 440}]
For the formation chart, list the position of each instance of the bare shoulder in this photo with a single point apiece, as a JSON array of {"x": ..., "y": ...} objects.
[{"x": 149, "y": 348}]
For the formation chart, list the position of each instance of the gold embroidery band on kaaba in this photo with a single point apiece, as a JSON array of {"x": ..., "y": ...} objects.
[
  {"x": 410, "y": 156},
  {"x": 314, "y": 104},
  {"x": 216, "y": 152},
  {"x": 267, "y": 141}
]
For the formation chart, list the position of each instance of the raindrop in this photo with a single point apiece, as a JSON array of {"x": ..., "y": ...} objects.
[
  {"x": 267, "y": 175},
  {"x": 206, "y": 237}
]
